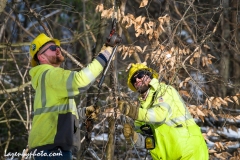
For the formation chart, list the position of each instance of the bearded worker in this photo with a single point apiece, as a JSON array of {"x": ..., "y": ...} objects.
[
  {"x": 162, "y": 123},
  {"x": 55, "y": 126}
]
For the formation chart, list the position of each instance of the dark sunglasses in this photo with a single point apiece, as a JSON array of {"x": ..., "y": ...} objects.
[
  {"x": 52, "y": 48},
  {"x": 138, "y": 75}
]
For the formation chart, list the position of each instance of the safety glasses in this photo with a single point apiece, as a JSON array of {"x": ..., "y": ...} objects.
[
  {"x": 138, "y": 75},
  {"x": 52, "y": 48}
]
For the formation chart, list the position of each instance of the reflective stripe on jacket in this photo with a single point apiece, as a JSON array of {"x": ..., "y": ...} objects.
[
  {"x": 56, "y": 121},
  {"x": 175, "y": 132}
]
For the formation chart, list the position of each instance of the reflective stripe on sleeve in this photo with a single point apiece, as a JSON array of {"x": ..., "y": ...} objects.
[
  {"x": 151, "y": 115},
  {"x": 89, "y": 74},
  {"x": 178, "y": 120}
]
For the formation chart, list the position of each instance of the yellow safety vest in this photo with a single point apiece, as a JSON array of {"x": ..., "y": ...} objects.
[
  {"x": 175, "y": 132},
  {"x": 56, "y": 121}
]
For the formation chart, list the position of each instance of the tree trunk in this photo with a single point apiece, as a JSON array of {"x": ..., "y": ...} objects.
[
  {"x": 225, "y": 59},
  {"x": 236, "y": 40}
]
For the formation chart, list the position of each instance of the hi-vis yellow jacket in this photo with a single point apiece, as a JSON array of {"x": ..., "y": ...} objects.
[
  {"x": 176, "y": 134},
  {"x": 56, "y": 120}
]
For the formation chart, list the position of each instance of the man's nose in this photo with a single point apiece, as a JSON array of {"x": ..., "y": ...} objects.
[{"x": 58, "y": 50}]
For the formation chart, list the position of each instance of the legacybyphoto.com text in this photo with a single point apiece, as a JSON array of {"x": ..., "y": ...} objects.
[{"x": 28, "y": 155}]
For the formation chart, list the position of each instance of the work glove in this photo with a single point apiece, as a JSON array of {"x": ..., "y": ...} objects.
[
  {"x": 106, "y": 51},
  {"x": 92, "y": 112},
  {"x": 111, "y": 41},
  {"x": 129, "y": 133},
  {"x": 128, "y": 109}
]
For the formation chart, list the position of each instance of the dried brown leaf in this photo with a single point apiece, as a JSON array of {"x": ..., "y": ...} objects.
[
  {"x": 185, "y": 93},
  {"x": 212, "y": 114},
  {"x": 209, "y": 61},
  {"x": 216, "y": 103},
  {"x": 149, "y": 31},
  {"x": 209, "y": 133},
  {"x": 210, "y": 56},
  {"x": 187, "y": 79},
  {"x": 226, "y": 154},
  {"x": 200, "y": 113},
  {"x": 144, "y": 48},
  {"x": 138, "y": 49},
  {"x": 99, "y": 8},
  {"x": 228, "y": 99},
  {"x": 139, "y": 31},
  {"x": 191, "y": 61},
  {"x": 107, "y": 13},
  {"x": 209, "y": 103},
  {"x": 143, "y": 3},
  {"x": 204, "y": 61},
  {"x": 196, "y": 54},
  {"x": 223, "y": 101},
  {"x": 124, "y": 55},
  {"x": 139, "y": 21},
  {"x": 181, "y": 84},
  {"x": 212, "y": 151},
  {"x": 206, "y": 46},
  {"x": 146, "y": 57},
  {"x": 219, "y": 156},
  {"x": 237, "y": 117},
  {"x": 235, "y": 98}
]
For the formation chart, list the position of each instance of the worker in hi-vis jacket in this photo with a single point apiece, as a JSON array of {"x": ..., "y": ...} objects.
[
  {"x": 162, "y": 123},
  {"x": 55, "y": 125}
]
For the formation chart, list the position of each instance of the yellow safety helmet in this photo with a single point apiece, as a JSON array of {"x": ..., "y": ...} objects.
[
  {"x": 37, "y": 43},
  {"x": 137, "y": 67}
]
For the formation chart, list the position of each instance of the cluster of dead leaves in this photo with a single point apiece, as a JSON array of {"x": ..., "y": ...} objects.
[
  {"x": 151, "y": 29},
  {"x": 128, "y": 51},
  {"x": 206, "y": 59},
  {"x": 200, "y": 111},
  {"x": 218, "y": 102},
  {"x": 220, "y": 148},
  {"x": 165, "y": 58}
]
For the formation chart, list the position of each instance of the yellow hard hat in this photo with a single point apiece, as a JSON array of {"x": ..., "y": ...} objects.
[
  {"x": 137, "y": 67},
  {"x": 37, "y": 43}
]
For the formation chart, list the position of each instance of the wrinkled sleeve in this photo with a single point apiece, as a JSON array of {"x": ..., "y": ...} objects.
[
  {"x": 161, "y": 109},
  {"x": 156, "y": 114},
  {"x": 167, "y": 104}
]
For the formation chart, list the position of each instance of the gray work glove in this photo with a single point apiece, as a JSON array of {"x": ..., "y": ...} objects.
[
  {"x": 129, "y": 133},
  {"x": 127, "y": 109},
  {"x": 92, "y": 112}
]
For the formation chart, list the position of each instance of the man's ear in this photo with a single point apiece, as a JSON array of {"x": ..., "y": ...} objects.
[{"x": 40, "y": 57}]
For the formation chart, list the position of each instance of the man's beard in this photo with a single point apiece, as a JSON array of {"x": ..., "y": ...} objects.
[
  {"x": 57, "y": 60},
  {"x": 142, "y": 89},
  {"x": 60, "y": 59}
]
